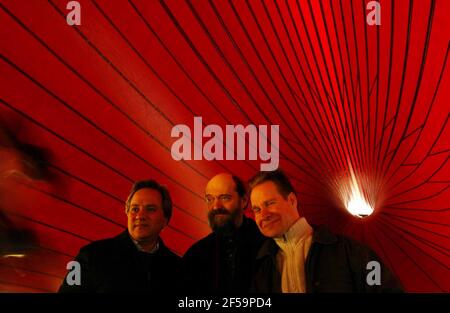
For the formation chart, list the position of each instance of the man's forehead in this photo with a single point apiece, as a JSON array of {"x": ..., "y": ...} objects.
[
  {"x": 221, "y": 184},
  {"x": 265, "y": 191},
  {"x": 146, "y": 196}
]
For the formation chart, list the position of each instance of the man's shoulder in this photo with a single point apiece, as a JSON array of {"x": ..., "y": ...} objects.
[
  {"x": 104, "y": 245},
  {"x": 326, "y": 236},
  {"x": 165, "y": 252},
  {"x": 201, "y": 246}
]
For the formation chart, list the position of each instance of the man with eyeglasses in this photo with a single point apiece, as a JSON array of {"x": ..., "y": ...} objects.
[
  {"x": 222, "y": 262},
  {"x": 137, "y": 259}
]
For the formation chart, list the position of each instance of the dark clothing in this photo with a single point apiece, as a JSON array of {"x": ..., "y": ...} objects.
[
  {"x": 222, "y": 263},
  {"x": 116, "y": 265},
  {"x": 334, "y": 264}
]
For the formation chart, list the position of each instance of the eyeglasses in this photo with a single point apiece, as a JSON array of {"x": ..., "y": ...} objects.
[{"x": 222, "y": 198}]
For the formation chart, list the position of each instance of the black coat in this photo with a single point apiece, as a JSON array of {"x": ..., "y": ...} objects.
[
  {"x": 116, "y": 265},
  {"x": 334, "y": 264},
  {"x": 222, "y": 263}
]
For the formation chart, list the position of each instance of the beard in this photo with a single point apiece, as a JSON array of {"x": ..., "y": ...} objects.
[{"x": 223, "y": 221}]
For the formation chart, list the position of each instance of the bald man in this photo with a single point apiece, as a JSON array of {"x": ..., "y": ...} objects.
[{"x": 223, "y": 261}]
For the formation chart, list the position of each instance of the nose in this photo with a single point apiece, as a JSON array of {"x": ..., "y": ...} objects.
[
  {"x": 216, "y": 204},
  {"x": 265, "y": 214},
  {"x": 141, "y": 213}
]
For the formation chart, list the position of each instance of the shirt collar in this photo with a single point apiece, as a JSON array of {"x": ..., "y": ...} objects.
[
  {"x": 139, "y": 247},
  {"x": 321, "y": 235},
  {"x": 297, "y": 232}
]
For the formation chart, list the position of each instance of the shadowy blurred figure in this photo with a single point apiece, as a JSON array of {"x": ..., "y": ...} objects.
[{"x": 18, "y": 161}]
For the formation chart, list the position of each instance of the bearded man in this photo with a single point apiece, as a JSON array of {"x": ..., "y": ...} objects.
[{"x": 223, "y": 261}]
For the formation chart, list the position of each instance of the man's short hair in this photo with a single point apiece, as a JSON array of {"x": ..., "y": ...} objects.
[
  {"x": 241, "y": 188},
  {"x": 152, "y": 184},
  {"x": 278, "y": 177}
]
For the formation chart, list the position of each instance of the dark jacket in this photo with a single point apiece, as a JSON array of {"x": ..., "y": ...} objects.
[
  {"x": 334, "y": 264},
  {"x": 222, "y": 263},
  {"x": 116, "y": 265}
]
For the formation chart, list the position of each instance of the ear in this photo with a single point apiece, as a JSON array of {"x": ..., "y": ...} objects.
[
  {"x": 244, "y": 202},
  {"x": 292, "y": 199}
]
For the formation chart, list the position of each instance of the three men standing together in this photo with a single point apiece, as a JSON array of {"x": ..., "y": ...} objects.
[{"x": 281, "y": 252}]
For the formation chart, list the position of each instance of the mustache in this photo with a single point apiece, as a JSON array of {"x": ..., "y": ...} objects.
[{"x": 218, "y": 211}]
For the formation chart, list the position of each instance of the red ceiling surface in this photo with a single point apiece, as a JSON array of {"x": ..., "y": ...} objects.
[{"x": 103, "y": 97}]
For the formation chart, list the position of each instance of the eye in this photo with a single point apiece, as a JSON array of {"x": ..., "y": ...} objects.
[
  {"x": 225, "y": 198},
  {"x": 134, "y": 209},
  {"x": 150, "y": 208},
  {"x": 209, "y": 199},
  {"x": 256, "y": 210}
]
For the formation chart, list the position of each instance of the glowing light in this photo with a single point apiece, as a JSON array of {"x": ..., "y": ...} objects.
[
  {"x": 358, "y": 206},
  {"x": 14, "y": 256},
  {"x": 354, "y": 198}
]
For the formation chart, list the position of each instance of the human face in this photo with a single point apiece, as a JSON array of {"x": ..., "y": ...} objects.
[
  {"x": 145, "y": 215},
  {"x": 225, "y": 207},
  {"x": 274, "y": 214}
]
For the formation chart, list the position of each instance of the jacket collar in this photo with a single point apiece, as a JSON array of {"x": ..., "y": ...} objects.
[
  {"x": 126, "y": 242},
  {"x": 321, "y": 235}
]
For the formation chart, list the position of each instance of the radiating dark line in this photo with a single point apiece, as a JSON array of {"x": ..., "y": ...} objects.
[
  {"x": 402, "y": 85},
  {"x": 84, "y": 182},
  {"x": 408, "y": 256},
  {"x": 393, "y": 196},
  {"x": 236, "y": 75},
  {"x": 259, "y": 82},
  {"x": 439, "y": 152},
  {"x": 414, "y": 209},
  {"x": 377, "y": 99},
  {"x": 311, "y": 73},
  {"x": 68, "y": 202},
  {"x": 80, "y": 207},
  {"x": 356, "y": 134},
  {"x": 290, "y": 66},
  {"x": 277, "y": 64},
  {"x": 432, "y": 102},
  {"x": 366, "y": 43},
  {"x": 57, "y": 229},
  {"x": 420, "y": 199},
  {"x": 127, "y": 41},
  {"x": 348, "y": 122},
  {"x": 216, "y": 78},
  {"x": 419, "y": 220},
  {"x": 342, "y": 153},
  {"x": 115, "y": 106},
  {"x": 351, "y": 152},
  {"x": 84, "y": 152},
  {"x": 61, "y": 137},
  {"x": 320, "y": 78},
  {"x": 386, "y": 258},
  {"x": 95, "y": 89},
  {"x": 419, "y": 82},
  {"x": 398, "y": 218},
  {"x": 424, "y": 241},
  {"x": 328, "y": 76},
  {"x": 48, "y": 225},
  {"x": 388, "y": 92},
  {"x": 359, "y": 90},
  {"x": 84, "y": 209},
  {"x": 303, "y": 73}
]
